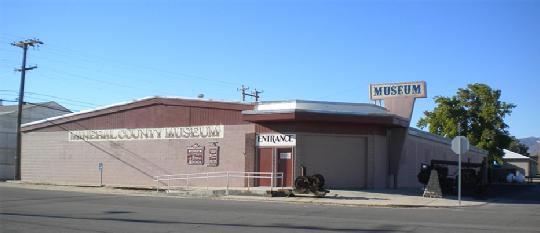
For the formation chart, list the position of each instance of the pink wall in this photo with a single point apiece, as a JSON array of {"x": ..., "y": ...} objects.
[{"x": 49, "y": 157}]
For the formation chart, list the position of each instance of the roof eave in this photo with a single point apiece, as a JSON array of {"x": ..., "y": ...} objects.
[
  {"x": 281, "y": 116},
  {"x": 155, "y": 100}
]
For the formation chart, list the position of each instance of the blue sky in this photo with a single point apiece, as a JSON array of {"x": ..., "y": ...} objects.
[{"x": 102, "y": 52}]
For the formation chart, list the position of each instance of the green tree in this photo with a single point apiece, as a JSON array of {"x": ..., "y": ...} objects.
[
  {"x": 475, "y": 112},
  {"x": 518, "y": 147}
]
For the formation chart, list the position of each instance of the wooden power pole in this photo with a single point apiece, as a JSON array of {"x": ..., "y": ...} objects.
[
  {"x": 254, "y": 94},
  {"x": 24, "y": 45}
]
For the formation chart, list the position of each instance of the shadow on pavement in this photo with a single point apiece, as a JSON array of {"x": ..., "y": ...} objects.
[
  {"x": 513, "y": 193},
  {"x": 283, "y": 226},
  {"x": 495, "y": 193}
]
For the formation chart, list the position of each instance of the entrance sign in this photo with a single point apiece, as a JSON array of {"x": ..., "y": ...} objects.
[
  {"x": 387, "y": 90},
  {"x": 276, "y": 140}
]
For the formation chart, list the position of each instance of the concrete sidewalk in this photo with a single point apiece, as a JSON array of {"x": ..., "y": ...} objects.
[{"x": 381, "y": 198}]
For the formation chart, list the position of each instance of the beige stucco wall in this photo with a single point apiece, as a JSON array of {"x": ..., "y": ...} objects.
[
  {"x": 420, "y": 150},
  {"x": 524, "y": 164},
  {"x": 380, "y": 167},
  {"x": 50, "y": 157}
]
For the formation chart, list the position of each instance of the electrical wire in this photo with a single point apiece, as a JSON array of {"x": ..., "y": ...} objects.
[
  {"x": 101, "y": 62},
  {"x": 53, "y": 48},
  {"x": 86, "y": 104},
  {"x": 11, "y": 101}
]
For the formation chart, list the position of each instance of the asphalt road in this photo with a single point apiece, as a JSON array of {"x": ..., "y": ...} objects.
[{"x": 27, "y": 210}]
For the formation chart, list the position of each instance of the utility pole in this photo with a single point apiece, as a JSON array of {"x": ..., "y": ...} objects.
[
  {"x": 24, "y": 45},
  {"x": 254, "y": 93},
  {"x": 243, "y": 90}
]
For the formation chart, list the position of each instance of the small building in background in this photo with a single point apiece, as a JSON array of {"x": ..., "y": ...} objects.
[
  {"x": 8, "y": 130},
  {"x": 520, "y": 162}
]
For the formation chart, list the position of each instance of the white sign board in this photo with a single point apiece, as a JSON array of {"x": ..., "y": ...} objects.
[
  {"x": 188, "y": 132},
  {"x": 287, "y": 155},
  {"x": 388, "y": 90},
  {"x": 276, "y": 140},
  {"x": 460, "y": 145}
]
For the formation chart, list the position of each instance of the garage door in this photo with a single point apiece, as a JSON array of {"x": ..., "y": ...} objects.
[{"x": 340, "y": 159}]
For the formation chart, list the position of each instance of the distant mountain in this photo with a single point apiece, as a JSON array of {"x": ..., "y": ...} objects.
[{"x": 532, "y": 143}]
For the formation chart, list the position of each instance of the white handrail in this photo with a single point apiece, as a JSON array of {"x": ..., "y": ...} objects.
[{"x": 227, "y": 174}]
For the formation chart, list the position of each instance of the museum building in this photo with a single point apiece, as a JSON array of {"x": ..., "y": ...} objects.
[{"x": 353, "y": 145}]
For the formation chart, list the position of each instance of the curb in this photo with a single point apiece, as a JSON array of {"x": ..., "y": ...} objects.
[
  {"x": 390, "y": 205},
  {"x": 148, "y": 193}
]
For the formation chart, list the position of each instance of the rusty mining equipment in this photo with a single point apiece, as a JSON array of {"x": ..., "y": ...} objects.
[
  {"x": 313, "y": 184},
  {"x": 310, "y": 185}
]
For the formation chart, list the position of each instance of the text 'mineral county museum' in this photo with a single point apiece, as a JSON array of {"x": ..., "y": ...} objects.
[{"x": 353, "y": 145}]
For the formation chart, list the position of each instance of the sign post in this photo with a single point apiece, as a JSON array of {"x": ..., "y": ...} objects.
[
  {"x": 460, "y": 145},
  {"x": 100, "y": 167}
]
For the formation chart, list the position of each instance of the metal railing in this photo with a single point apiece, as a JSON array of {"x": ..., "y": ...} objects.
[{"x": 228, "y": 175}]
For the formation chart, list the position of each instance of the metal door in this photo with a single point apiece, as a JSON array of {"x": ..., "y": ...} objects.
[{"x": 265, "y": 163}]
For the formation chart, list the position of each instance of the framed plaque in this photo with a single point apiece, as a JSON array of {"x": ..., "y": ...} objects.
[
  {"x": 195, "y": 155},
  {"x": 213, "y": 156}
]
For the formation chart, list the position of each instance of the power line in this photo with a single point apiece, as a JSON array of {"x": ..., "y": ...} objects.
[
  {"x": 41, "y": 105},
  {"x": 34, "y": 100},
  {"x": 49, "y": 107},
  {"x": 154, "y": 69},
  {"x": 65, "y": 99},
  {"x": 56, "y": 97},
  {"x": 11, "y": 37},
  {"x": 5, "y": 100},
  {"x": 80, "y": 76},
  {"x": 100, "y": 61},
  {"x": 52, "y": 48},
  {"x": 152, "y": 73},
  {"x": 70, "y": 52}
]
